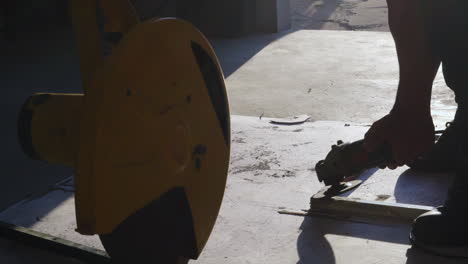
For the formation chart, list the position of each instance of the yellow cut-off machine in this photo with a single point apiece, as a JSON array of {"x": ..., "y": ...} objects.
[{"x": 149, "y": 139}]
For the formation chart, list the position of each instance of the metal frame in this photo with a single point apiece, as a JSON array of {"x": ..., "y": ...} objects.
[
  {"x": 357, "y": 210},
  {"x": 53, "y": 244},
  {"x": 369, "y": 211}
]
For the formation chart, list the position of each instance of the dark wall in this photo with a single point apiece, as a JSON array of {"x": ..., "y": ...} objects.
[
  {"x": 18, "y": 16},
  {"x": 234, "y": 17},
  {"x": 219, "y": 17},
  {"x": 213, "y": 17}
]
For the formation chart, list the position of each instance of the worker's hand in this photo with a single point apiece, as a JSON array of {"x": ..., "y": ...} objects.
[{"x": 409, "y": 135}]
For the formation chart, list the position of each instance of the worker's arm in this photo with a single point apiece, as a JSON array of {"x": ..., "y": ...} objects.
[{"x": 408, "y": 128}]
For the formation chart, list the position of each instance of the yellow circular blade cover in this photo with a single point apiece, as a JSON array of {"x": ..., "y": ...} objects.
[{"x": 154, "y": 143}]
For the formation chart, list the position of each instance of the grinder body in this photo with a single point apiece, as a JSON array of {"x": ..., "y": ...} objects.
[{"x": 346, "y": 159}]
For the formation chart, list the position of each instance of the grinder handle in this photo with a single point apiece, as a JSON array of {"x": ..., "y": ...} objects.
[{"x": 382, "y": 156}]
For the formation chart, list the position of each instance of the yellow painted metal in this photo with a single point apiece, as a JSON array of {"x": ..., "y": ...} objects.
[
  {"x": 88, "y": 38},
  {"x": 182, "y": 261},
  {"x": 132, "y": 136},
  {"x": 120, "y": 15},
  {"x": 142, "y": 118},
  {"x": 55, "y": 125}
]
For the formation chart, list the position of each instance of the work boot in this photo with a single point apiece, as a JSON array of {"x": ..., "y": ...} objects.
[
  {"x": 443, "y": 155},
  {"x": 444, "y": 230}
]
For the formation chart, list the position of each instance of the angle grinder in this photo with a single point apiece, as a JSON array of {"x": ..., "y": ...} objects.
[{"x": 345, "y": 160}]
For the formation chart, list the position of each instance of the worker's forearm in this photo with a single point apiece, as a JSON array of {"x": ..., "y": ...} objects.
[{"x": 418, "y": 64}]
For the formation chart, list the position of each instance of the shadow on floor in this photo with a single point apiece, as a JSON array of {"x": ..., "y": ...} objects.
[
  {"x": 12, "y": 252},
  {"x": 418, "y": 188},
  {"x": 416, "y": 256},
  {"x": 314, "y": 247},
  {"x": 32, "y": 210},
  {"x": 39, "y": 61},
  {"x": 235, "y": 52}
]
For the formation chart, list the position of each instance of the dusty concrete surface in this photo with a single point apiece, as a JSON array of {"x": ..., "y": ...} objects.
[
  {"x": 367, "y": 15},
  {"x": 330, "y": 75},
  {"x": 272, "y": 168}
]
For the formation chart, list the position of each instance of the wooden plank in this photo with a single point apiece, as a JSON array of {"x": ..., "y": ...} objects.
[
  {"x": 344, "y": 206},
  {"x": 357, "y": 210}
]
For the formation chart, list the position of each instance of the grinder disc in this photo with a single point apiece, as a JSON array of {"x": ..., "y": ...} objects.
[
  {"x": 154, "y": 151},
  {"x": 334, "y": 190}
]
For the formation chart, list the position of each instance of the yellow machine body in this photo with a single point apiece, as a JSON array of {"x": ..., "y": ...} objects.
[
  {"x": 142, "y": 119},
  {"x": 146, "y": 124},
  {"x": 49, "y": 127}
]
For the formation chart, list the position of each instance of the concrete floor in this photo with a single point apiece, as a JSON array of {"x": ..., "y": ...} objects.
[
  {"x": 271, "y": 169},
  {"x": 329, "y": 75},
  {"x": 368, "y": 15}
]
